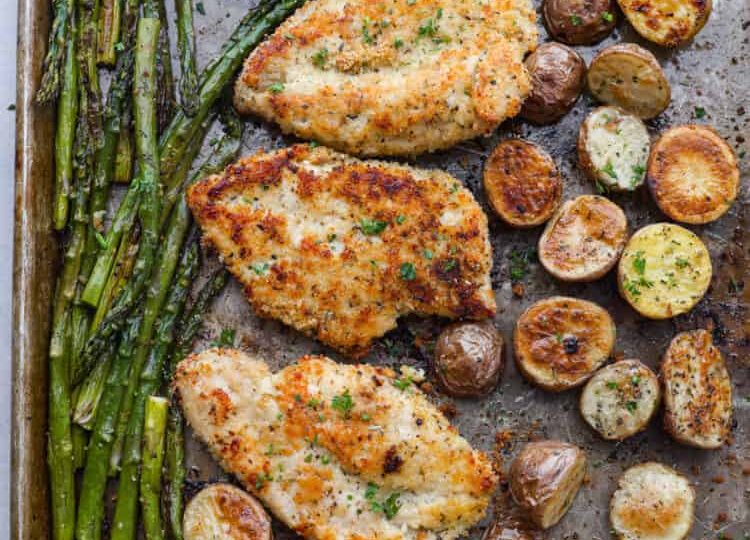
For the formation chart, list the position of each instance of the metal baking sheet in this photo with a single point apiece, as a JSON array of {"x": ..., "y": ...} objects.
[{"x": 712, "y": 73}]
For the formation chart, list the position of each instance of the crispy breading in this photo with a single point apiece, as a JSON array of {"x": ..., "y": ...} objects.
[
  {"x": 392, "y": 77},
  {"x": 336, "y": 451},
  {"x": 339, "y": 248}
]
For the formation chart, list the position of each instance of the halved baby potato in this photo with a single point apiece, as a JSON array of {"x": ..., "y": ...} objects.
[
  {"x": 664, "y": 271},
  {"x": 613, "y": 148},
  {"x": 693, "y": 174},
  {"x": 620, "y": 399},
  {"x": 666, "y": 22},
  {"x": 630, "y": 77},
  {"x": 560, "y": 342},
  {"x": 652, "y": 502},
  {"x": 545, "y": 478},
  {"x": 583, "y": 241},
  {"x": 697, "y": 391},
  {"x": 225, "y": 511},
  {"x": 522, "y": 183}
]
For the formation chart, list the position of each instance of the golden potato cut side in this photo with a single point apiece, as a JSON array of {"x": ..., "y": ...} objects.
[
  {"x": 664, "y": 271},
  {"x": 544, "y": 479},
  {"x": 652, "y": 502},
  {"x": 693, "y": 174},
  {"x": 583, "y": 241},
  {"x": 392, "y": 78},
  {"x": 620, "y": 399},
  {"x": 667, "y": 22},
  {"x": 559, "y": 342},
  {"x": 522, "y": 183},
  {"x": 630, "y": 77},
  {"x": 226, "y": 512},
  {"x": 697, "y": 391}
]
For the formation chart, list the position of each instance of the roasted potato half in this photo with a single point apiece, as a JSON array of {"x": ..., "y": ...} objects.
[
  {"x": 664, "y": 271},
  {"x": 579, "y": 22},
  {"x": 613, "y": 149},
  {"x": 584, "y": 239},
  {"x": 560, "y": 341},
  {"x": 522, "y": 183},
  {"x": 620, "y": 399},
  {"x": 693, "y": 174},
  {"x": 558, "y": 76},
  {"x": 666, "y": 22},
  {"x": 697, "y": 391},
  {"x": 630, "y": 77},
  {"x": 469, "y": 359},
  {"x": 223, "y": 511},
  {"x": 545, "y": 478},
  {"x": 652, "y": 502}
]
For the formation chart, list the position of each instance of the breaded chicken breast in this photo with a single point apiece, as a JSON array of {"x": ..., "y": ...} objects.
[
  {"x": 392, "y": 77},
  {"x": 340, "y": 248},
  {"x": 336, "y": 451}
]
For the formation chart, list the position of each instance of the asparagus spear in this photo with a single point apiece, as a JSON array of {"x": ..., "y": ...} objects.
[
  {"x": 186, "y": 48},
  {"x": 88, "y": 396},
  {"x": 109, "y": 32},
  {"x": 124, "y": 155},
  {"x": 183, "y": 128},
  {"x": 189, "y": 326},
  {"x": 62, "y": 31},
  {"x": 165, "y": 78},
  {"x": 153, "y": 446},
  {"x": 121, "y": 271},
  {"x": 94, "y": 482},
  {"x": 80, "y": 440},
  {"x": 67, "y": 110},
  {"x": 149, "y": 381},
  {"x": 90, "y": 110}
]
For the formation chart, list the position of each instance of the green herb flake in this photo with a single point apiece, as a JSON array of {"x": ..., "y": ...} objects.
[
  {"x": 400, "y": 219},
  {"x": 364, "y": 417},
  {"x": 636, "y": 380},
  {"x": 119, "y": 46},
  {"x": 319, "y": 58},
  {"x": 226, "y": 338},
  {"x": 343, "y": 403},
  {"x": 408, "y": 272},
  {"x": 609, "y": 170},
  {"x": 398, "y": 43},
  {"x": 200, "y": 8},
  {"x": 325, "y": 460},
  {"x": 612, "y": 385},
  {"x": 402, "y": 383},
  {"x": 575, "y": 20},
  {"x": 276, "y": 88},
  {"x": 313, "y": 403},
  {"x": 101, "y": 240},
  {"x": 372, "y": 227},
  {"x": 700, "y": 112},
  {"x": 261, "y": 479},
  {"x": 308, "y": 458},
  {"x": 366, "y": 37},
  {"x": 427, "y": 254},
  {"x": 639, "y": 263},
  {"x": 681, "y": 263},
  {"x": 608, "y": 17},
  {"x": 519, "y": 264},
  {"x": 391, "y": 505},
  {"x": 371, "y": 491},
  {"x": 631, "y": 406},
  {"x": 260, "y": 269}
]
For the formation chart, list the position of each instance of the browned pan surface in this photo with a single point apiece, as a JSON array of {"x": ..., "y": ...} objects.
[{"x": 713, "y": 73}]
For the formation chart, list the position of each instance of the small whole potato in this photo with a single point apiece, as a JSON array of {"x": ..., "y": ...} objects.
[
  {"x": 544, "y": 479},
  {"x": 558, "y": 76},
  {"x": 227, "y": 512},
  {"x": 579, "y": 22},
  {"x": 469, "y": 359}
]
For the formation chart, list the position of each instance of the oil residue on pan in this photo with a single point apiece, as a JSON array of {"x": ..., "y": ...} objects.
[{"x": 710, "y": 78}]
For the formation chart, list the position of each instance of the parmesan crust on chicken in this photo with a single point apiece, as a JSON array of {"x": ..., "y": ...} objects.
[
  {"x": 339, "y": 248},
  {"x": 336, "y": 451},
  {"x": 392, "y": 77}
]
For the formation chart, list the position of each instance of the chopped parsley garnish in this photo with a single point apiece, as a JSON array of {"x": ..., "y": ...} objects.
[
  {"x": 608, "y": 17},
  {"x": 366, "y": 37},
  {"x": 331, "y": 237},
  {"x": 454, "y": 188},
  {"x": 276, "y": 88},
  {"x": 427, "y": 254},
  {"x": 226, "y": 338},
  {"x": 325, "y": 460},
  {"x": 261, "y": 479},
  {"x": 313, "y": 403},
  {"x": 372, "y": 227},
  {"x": 343, "y": 403},
  {"x": 119, "y": 46},
  {"x": 408, "y": 272},
  {"x": 371, "y": 491},
  {"x": 635, "y": 380},
  {"x": 402, "y": 383},
  {"x": 430, "y": 27},
  {"x": 700, "y": 112},
  {"x": 575, "y": 20},
  {"x": 609, "y": 170},
  {"x": 297, "y": 398},
  {"x": 390, "y": 506},
  {"x": 271, "y": 450},
  {"x": 612, "y": 385},
  {"x": 449, "y": 265},
  {"x": 519, "y": 264},
  {"x": 638, "y": 170},
  {"x": 398, "y": 43},
  {"x": 200, "y": 8},
  {"x": 101, "y": 240},
  {"x": 639, "y": 263},
  {"x": 320, "y": 57},
  {"x": 400, "y": 219},
  {"x": 260, "y": 268},
  {"x": 631, "y": 406},
  {"x": 681, "y": 263},
  {"x": 364, "y": 417},
  {"x": 308, "y": 458}
]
